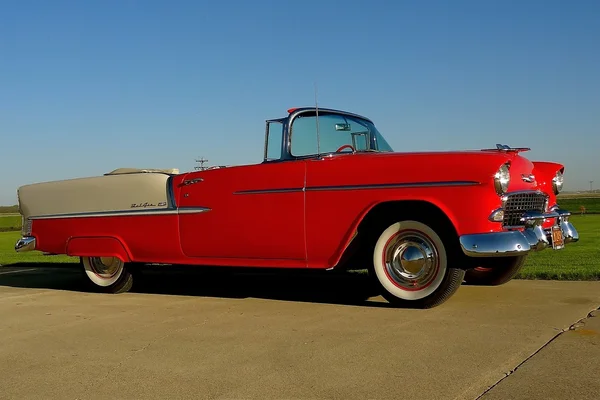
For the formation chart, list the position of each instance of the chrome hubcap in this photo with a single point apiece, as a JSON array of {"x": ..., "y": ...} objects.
[
  {"x": 411, "y": 260},
  {"x": 105, "y": 267}
]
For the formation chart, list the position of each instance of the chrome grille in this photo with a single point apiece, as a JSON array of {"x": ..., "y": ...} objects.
[{"x": 518, "y": 203}]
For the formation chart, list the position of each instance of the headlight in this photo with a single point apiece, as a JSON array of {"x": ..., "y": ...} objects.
[
  {"x": 502, "y": 179},
  {"x": 557, "y": 182}
]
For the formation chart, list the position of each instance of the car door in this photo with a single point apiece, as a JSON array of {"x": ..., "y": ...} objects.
[{"x": 247, "y": 212}]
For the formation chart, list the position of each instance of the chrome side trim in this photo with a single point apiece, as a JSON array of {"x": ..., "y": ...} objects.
[
  {"x": 125, "y": 213},
  {"x": 361, "y": 187},
  {"x": 192, "y": 210},
  {"x": 26, "y": 243},
  {"x": 265, "y": 191},
  {"x": 391, "y": 185}
]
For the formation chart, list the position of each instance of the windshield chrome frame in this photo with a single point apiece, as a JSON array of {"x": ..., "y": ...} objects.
[
  {"x": 286, "y": 153},
  {"x": 283, "y": 122}
]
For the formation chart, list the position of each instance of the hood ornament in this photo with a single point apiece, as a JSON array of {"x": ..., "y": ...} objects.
[{"x": 528, "y": 178}]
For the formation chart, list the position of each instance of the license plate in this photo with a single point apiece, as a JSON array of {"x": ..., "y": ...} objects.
[{"x": 558, "y": 241}]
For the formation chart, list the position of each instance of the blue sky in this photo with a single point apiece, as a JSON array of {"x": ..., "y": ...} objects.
[{"x": 87, "y": 87}]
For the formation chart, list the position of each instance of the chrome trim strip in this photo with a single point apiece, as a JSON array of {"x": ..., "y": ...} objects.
[
  {"x": 192, "y": 210},
  {"x": 530, "y": 216},
  {"x": 562, "y": 213},
  {"x": 303, "y": 110},
  {"x": 170, "y": 193},
  {"x": 126, "y": 213},
  {"x": 392, "y": 185},
  {"x": 26, "y": 243},
  {"x": 264, "y": 191},
  {"x": 361, "y": 187}
]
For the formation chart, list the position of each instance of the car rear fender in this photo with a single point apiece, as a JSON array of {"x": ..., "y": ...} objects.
[{"x": 98, "y": 246}]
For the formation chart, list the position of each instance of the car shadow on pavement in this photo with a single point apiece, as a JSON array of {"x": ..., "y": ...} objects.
[{"x": 331, "y": 287}]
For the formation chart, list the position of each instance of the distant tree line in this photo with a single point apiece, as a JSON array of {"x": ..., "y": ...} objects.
[{"x": 9, "y": 209}]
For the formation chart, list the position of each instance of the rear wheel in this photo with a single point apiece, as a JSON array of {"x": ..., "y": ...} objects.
[
  {"x": 411, "y": 265},
  {"x": 495, "y": 271},
  {"x": 108, "y": 274}
]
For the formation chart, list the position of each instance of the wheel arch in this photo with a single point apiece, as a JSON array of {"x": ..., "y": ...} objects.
[
  {"x": 392, "y": 210},
  {"x": 98, "y": 246}
]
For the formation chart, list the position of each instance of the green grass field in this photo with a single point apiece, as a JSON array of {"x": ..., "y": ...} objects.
[
  {"x": 8, "y": 255},
  {"x": 592, "y": 204},
  {"x": 578, "y": 261},
  {"x": 10, "y": 222}
]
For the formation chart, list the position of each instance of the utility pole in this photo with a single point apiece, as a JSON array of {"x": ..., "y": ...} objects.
[
  {"x": 201, "y": 161},
  {"x": 591, "y": 185}
]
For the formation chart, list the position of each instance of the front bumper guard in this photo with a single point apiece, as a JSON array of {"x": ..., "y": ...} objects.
[
  {"x": 520, "y": 242},
  {"x": 26, "y": 243}
]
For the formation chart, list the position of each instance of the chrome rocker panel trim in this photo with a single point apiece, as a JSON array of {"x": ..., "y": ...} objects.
[
  {"x": 518, "y": 243},
  {"x": 26, "y": 243}
]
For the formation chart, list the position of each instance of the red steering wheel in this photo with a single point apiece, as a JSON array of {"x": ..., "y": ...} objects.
[{"x": 346, "y": 146}]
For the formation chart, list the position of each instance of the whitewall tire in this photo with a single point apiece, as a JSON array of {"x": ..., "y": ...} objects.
[
  {"x": 108, "y": 274},
  {"x": 411, "y": 266}
]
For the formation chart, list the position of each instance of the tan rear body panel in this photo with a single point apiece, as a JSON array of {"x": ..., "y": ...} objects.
[{"x": 123, "y": 191}]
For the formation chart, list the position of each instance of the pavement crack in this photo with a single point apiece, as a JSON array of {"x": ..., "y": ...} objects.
[{"x": 580, "y": 322}]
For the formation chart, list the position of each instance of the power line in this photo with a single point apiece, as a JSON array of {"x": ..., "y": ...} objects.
[{"x": 201, "y": 161}]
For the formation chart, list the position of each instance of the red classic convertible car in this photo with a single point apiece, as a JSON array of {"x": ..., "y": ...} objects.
[{"x": 330, "y": 193}]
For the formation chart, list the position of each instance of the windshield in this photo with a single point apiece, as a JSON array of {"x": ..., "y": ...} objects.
[
  {"x": 335, "y": 131},
  {"x": 380, "y": 143}
]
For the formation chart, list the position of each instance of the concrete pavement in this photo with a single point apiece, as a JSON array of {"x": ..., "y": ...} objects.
[
  {"x": 262, "y": 336},
  {"x": 566, "y": 368}
]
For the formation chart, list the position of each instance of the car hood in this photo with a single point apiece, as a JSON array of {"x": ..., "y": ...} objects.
[{"x": 472, "y": 165}]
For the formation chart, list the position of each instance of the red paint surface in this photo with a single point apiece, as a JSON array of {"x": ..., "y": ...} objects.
[
  {"x": 266, "y": 226},
  {"x": 544, "y": 173},
  {"x": 295, "y": 228}
]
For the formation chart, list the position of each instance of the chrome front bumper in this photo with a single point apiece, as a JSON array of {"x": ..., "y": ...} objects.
[
  {"x": 520, "y": 242},
  {"x": 26, "y": 243}
]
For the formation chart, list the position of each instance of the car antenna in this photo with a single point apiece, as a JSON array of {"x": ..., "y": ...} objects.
[{"x": 317, "y": 119}]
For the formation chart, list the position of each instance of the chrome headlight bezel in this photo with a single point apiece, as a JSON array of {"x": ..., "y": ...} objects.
[
  {"x": 558, "y": 182},
  {"x": 502, "y": 179}
]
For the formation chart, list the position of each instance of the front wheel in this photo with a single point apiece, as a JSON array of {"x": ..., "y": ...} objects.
[
  {"x": 410, "y": 263},
  {"x": 495, "y": 271},
  {"x": 108, "y": 274}
]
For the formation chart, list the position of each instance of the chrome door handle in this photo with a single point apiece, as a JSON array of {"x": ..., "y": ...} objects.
[{"x": 192, "y": 181}]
